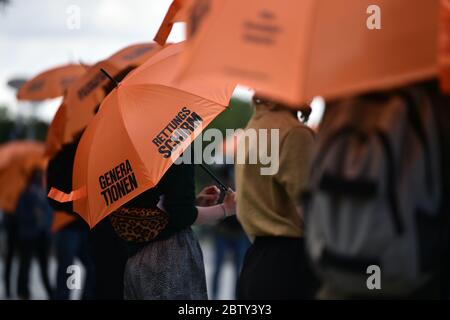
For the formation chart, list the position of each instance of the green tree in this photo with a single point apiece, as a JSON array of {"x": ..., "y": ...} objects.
[
  {"x": 12, "y": 129},
  {"x": 6, "y": 124}
]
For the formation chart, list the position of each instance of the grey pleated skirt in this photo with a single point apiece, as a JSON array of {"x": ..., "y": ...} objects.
[{"x": 171, "y": 269}]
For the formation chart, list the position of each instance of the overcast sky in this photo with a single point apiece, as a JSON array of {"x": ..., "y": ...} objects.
[{"x": 34, "y": 36}]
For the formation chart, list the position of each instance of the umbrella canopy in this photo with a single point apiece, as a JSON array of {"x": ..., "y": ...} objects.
[
  {"x": 51, "y": 83},
  {"x": 291, "y": 50},
  {"x": 444, "y": 45},
  {"x": 18, "y": 161},
  {"x": 11, "y": 151},
  {"x": 84, "y": 96},
  {"x": 140, "y": 130},
  {"x": 178, "y": 12},
  {"x": 55, "y": 132}
]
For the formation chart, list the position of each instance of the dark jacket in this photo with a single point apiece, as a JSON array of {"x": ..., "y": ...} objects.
[
  {"x": 34, "y": 214},
  {"x": 177, "y": 189}
]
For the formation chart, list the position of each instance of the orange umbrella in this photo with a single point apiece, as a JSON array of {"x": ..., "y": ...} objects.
[
  {"x": 51, "y": 83},
  {"x": 18, "y": 160},
  {"x": 139, "y": 131},
  {"x": 11, "y": 151},
  {"x": 84, "y": 96},
  {"x": 444, "y": 45},
  {"x": 178, "y": 12},
  {"x": 55, "y": 132},
  {"x": 293, "y": 50}
]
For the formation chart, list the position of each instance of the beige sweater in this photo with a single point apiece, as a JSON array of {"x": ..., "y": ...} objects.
[{"x": 266, "y": 204}]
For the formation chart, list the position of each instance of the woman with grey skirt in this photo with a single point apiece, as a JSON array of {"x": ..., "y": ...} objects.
[{"x": 165, "y": 259}]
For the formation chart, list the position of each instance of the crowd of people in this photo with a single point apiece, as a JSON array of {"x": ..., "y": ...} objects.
[
  {"x": 358, "y": 207},
  {"x": 162, "y": 259}
]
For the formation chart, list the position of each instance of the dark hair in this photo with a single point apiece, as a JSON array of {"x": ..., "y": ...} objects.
[
  {"x": 305, "y": 113},
  {"x": 305, "y": 110}
]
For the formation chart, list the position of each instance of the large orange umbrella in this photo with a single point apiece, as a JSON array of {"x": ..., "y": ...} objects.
[
  {"x": 18, "y": 160},
  {"x": 293, "y": 50},
  {"x": 51, "y": 83},
  {"x": 139, "y": 131},
  {"x": 84, "y": 96}
]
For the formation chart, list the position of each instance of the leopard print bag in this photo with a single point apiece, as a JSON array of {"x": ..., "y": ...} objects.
[{"x": 138, "y": 224}]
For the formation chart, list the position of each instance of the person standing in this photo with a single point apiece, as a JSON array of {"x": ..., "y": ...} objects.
[
  {"x": 72, "y": 241},
  {"x": 34, "y": 218},
  {"x": 10, "y": 224},
  {"x": 165, "y": 260},
  {"x": 269, "y": 209},
  {"x": 228, "y": 238},
  {"x": 101, "y": 252}
]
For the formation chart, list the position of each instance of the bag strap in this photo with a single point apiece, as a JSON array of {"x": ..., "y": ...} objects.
[{"x": 342, "y": 132}]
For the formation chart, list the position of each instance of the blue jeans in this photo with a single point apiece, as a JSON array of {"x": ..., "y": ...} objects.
[
  {"x": 72, "y": 242},
  {"x": 39, "y": 247},
  {"x": 237, "y": 245}
]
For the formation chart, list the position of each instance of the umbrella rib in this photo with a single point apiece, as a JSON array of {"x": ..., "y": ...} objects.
[
  {"x": 128, "y": 135},
  {"x": 87, "y": 186},
  {"x": 145, "y": 85}
]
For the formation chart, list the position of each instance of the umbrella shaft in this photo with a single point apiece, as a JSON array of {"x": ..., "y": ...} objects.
[{"x": 212, "y": 175}]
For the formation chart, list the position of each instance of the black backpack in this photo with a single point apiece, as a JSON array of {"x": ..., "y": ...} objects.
[{"x": 376, "y": 194}]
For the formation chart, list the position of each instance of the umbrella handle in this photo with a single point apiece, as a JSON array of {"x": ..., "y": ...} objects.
[
  {"x": 109, "y": 77},
  {"x": 222, "y": 186}
]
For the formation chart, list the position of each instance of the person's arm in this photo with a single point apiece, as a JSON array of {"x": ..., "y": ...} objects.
[
  {"x": 209, "y": 196},
  {"x": 213, "y": 213},
  {"x": 179, "y": 200}
]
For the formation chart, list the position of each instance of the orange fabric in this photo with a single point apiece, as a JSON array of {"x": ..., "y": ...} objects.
[
  {"x": 11, "y": 151},
  {"x": 51, "y": 83},
  {"x": 183, "y": 14},
  {"x": 18, "y": 160},
  {"x": 444, "y": 45},
  {"x": 174, "y": 14},
  {"x": 118, "y": 148},
  {"x": 293, "y": 50},
  {"x": 55, "y": 132},
  {"x": 84, "y": 96},
  {"x": 61, "y": 196},
  {"x": 60, "y": 220}
]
